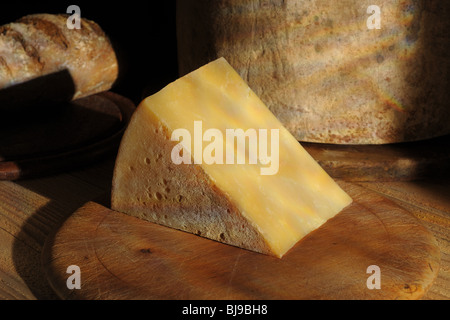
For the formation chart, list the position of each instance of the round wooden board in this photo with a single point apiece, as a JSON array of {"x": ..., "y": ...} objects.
[
  {"x": 394, "y": 162},
  {"x": 122, "y": 257},
  {"x": 64, "y": 137}
]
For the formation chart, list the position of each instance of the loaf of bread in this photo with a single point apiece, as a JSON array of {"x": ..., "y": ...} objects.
[
  {"x": 42, "y": 44},
  {"x": 323, "y": 71}
]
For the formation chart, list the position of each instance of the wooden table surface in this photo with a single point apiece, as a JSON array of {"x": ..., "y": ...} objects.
[{"x": 31, "y": 209}]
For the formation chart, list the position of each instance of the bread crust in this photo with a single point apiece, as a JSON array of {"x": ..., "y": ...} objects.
[{"x": 41, "y": 44}]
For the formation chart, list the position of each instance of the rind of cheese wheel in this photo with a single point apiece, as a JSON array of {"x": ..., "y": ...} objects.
[
  {"x": 231, "y": 203},
  {"x": 323, "y": 72}
]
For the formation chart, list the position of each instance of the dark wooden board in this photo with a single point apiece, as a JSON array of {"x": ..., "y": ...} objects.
[
  {"x": 62, "y": 137},
  {"x": 392, "y": 162},
  {"x": 122, "y": 257}
]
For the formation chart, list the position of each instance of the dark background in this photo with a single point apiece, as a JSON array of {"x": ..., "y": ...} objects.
[{"x": 143, "y": 34}]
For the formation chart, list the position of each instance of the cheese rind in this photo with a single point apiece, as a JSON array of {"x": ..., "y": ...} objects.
[
  {"x": 323, "y": 72},
  {"x": 231, "y": 203}
]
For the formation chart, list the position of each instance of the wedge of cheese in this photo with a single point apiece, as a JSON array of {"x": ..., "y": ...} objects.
[{"x": 180, "y": 166}]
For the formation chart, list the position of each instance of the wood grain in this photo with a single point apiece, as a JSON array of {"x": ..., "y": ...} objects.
[
  {"x": 429, "y": 201},
  {"x": 121, "y": 257},
  {"x": 29, "y": 211},
  {"x": 391, "y": 162}
]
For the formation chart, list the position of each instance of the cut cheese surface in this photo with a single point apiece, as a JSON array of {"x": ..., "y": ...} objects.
[{"x": 266, "y": 202}]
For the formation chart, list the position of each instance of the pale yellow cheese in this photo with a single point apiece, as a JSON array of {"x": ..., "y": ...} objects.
[{"x": 282, "y": 199}]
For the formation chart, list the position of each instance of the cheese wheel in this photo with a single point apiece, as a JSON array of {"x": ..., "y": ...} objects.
[{"x": 322, "y": 68}]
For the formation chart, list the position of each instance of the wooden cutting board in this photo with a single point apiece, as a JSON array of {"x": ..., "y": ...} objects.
[
  {"x": 122, "y": 257},
  {"x": 56, "y": 138},
  {"x": 391, "y": 162}
]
